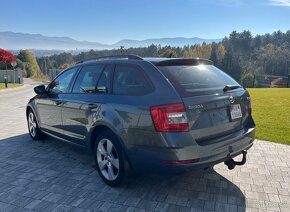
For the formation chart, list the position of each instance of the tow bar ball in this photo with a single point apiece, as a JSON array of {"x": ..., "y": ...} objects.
[{"x": 231, "y": 164}]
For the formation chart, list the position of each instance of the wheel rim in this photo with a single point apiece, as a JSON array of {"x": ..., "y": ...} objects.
[
  {"x": 32, "y": 124},
  {"x": 108, "y": 160}
]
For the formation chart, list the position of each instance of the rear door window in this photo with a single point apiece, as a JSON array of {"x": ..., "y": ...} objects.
[
  {"x": 130, "y": 80},
  {"x": 197, "y": 80},
  {"x": 87, "y": 79},
  {"x": 105, "y": 80}
]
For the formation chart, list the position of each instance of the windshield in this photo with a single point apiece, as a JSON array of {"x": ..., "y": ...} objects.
[{"x": 197, "y": 80}]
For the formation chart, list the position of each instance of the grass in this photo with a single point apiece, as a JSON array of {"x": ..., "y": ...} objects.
[
  {"x": 271, "y": 112},
  {"x": 9, "y": 85}
]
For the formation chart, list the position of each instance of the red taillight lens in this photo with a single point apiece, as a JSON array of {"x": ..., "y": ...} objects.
[
  {"x": 179, "y": 161},
  {"x": 169, "y": 118}
]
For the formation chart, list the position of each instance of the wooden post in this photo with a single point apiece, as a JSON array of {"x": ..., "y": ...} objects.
[{"x": 254, "y": 80}]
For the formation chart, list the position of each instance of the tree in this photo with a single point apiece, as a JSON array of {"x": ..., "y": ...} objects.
[
  {"x": 6, "y": 57},
  {"x": 220, "y": 52},
  {"x": 206, "y": 50},
  {"x": 168, "y": 53},
  {"x": 31, "y": 65},
  {"x": 64, "y": 66},
  {"x": 188, "y": 53},
  {"x": 197, "y": 52}
]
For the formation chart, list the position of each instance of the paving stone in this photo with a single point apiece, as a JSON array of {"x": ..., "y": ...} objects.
[
  {"x": 174, "y": 208},
  {"x": 132, "y": 201},
  {"x": 6, "y": 207},
  {"x": 51, "y": 175},
  {"x": 61, "y": 208},
  {"x": 52, "y": 197},
  {"x": 147, "y": 205}
]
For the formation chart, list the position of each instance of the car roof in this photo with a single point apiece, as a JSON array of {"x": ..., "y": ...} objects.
[{"x": 158, "y": 61}]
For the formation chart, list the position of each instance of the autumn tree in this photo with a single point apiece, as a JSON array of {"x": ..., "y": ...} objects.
[
  {"x": 197, "y": 51},
  {"x": 6, "y": 58},
  {"x": 188, "y": 53},
  {"x": 168, "y": 53},
  {"x": 30, "y": 63}
]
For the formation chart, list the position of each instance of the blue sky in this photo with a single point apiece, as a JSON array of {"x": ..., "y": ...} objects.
[{"x": 108, "y": 21}]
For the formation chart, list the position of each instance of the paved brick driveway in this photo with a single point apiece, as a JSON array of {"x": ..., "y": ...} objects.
[{"x": 54, "y": 176}]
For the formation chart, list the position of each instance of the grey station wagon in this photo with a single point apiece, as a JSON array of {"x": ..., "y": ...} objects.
[{"x": 146, "y": 114}]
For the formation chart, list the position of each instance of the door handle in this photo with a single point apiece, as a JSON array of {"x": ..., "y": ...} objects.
[{"x": 93, "y": 106}]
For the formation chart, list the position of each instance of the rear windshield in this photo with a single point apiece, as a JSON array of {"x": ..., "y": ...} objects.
[{"x": 197, "y": 80}]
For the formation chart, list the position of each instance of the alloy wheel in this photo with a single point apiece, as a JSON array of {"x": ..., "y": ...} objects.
[
  {"x": 32, "y": 124},
  {"x": 108, "y": 160}
]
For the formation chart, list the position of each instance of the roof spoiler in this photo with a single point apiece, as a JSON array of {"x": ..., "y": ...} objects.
[{"x": 184, "y": 61}]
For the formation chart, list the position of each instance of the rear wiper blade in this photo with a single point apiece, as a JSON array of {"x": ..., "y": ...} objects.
[{"x": 231, "y": 87}]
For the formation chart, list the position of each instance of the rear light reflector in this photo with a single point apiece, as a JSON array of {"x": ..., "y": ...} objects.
[
  {"x": 179, "y": 161},
  {"x": 169, "y": 118}
]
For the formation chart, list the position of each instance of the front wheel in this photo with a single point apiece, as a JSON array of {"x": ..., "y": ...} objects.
[
  {"x": 33, "y": 128},
  {"x": 109, "y": 159}
]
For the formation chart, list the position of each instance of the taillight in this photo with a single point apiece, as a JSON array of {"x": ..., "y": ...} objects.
[
  {"x": 179, "y": 161},
  {"x": 169, "y": 118}
]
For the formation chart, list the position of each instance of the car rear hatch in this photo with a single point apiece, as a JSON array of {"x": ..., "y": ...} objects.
[{"x": 216, "y": 105}]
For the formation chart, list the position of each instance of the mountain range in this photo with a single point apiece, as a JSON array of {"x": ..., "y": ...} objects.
[{"x": 16, "y": 41}]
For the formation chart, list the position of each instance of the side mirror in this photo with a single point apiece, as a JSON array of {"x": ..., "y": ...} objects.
[{"x": 40, "y": 89}]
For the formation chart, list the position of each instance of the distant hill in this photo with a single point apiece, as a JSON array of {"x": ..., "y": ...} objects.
[
  {"x": 179, "y": 41},
  {"x": 11, "y": 40},
  {"x": 16, "y": 41}
]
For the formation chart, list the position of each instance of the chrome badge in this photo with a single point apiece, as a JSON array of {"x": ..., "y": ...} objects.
[
  {"x": 199, "y": 106},
  {"x": 232, "y": 99}
]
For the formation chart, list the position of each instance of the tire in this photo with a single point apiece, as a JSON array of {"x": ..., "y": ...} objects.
[
  {"x": 33, "y": 128},
  {"x": 109, "y": 159}
]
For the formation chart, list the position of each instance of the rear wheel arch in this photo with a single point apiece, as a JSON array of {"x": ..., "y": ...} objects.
[{"x": 98, "y": 130}]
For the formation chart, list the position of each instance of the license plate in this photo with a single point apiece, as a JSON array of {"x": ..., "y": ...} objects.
[{"x": 236, "y": 111}]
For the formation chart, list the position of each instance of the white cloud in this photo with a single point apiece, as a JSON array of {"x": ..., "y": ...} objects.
[{"x": 284, "y": 3}]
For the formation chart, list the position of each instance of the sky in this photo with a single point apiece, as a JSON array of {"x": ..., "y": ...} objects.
[{"x": 109, "y": 21}]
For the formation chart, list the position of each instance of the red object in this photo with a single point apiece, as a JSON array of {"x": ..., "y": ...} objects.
[
  {"x": 169, "y": 118},
  {"x": 179, "y": 161},
  {"x": 6, "y": 57}
]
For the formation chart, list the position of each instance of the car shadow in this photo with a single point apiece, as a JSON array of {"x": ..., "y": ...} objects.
[{"x": 72, "y": 167}]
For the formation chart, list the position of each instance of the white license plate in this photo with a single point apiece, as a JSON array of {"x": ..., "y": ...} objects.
[{"x": 236, "y": 111}]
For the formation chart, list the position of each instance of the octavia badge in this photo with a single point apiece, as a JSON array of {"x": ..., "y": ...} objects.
[{"x": 232, "y": 100}]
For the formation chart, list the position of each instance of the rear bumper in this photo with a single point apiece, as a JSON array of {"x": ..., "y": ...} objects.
[{"x": 151, "y": 159}]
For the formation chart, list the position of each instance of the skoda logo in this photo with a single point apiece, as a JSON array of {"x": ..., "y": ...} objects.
[{"x": 232, "y": 100}]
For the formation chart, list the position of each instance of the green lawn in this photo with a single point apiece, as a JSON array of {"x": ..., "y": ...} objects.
[
  {"x": 10, "y": 85},
  {"x": 271, "y": 112}
]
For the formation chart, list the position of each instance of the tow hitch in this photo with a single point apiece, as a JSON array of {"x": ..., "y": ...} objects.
[{"x": 231, "y": 163}]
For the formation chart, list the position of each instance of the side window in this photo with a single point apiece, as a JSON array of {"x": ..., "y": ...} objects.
[
  {"x": 87, "y": 79},
  {"x": 62, "y": 82},
  {"x": 129, "y": 80},
  {"x": 105, "y": 79}
]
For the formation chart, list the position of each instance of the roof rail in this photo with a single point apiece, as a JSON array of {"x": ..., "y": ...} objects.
[{"x": 128, "y": 56}]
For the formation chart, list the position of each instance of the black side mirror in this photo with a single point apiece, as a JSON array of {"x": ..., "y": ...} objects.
[{"x": 40, "y": 89}]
